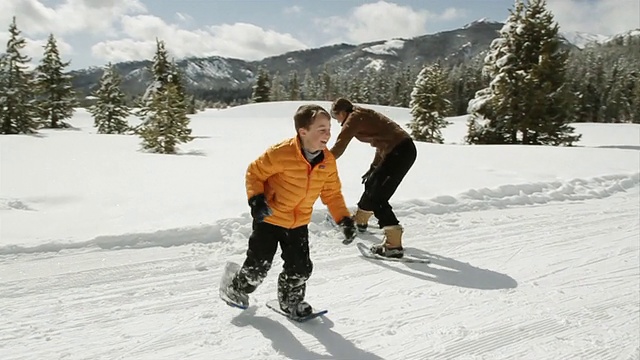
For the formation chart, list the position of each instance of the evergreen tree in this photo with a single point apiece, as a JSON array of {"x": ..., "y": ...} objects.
[
  {"x": 309, "y": 87},
  {"x": 429, "y": 105},
  {"x": 355, "y": 90},
  {"x": 110, "y": 110},
  {"x": 545, "y": 106},
  {"x": 277, "y": 91},
  {"x": 367, "y": 86},
  {"x": 57, "y": 98},
  {"x": 16, "y": 94},
  {"x": 168, "y": 123},
  {"x": 325, "y": 85},
  {"x": 526, "y": 101},
  {"x": 161, "y": 68},
  {"x": 494, "y": 108},
  {"x": 161, "y": 71},
  {"x": 175, "y": 77},
  {"x": 294, "y": 86},
  {"x": 261, "y": 88},
  {"x": 165, "y": 123},
  {"x": 401, "y": 89}
]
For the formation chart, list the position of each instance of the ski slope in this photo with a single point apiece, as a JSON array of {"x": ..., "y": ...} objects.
[{"x": 110, "y": 253}]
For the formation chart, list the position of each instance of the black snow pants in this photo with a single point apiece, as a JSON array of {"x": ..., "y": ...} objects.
[
  {"x": 384, "y": 182},
  {"x": 297, "y": 268}
]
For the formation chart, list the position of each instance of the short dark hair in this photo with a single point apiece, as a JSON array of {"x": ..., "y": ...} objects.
[
  {"x": 341, "y": 104},
  {"x": 306, "y": 114}
]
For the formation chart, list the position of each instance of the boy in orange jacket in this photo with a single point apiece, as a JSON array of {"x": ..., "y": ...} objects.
[{"x": 282, "y": 186}]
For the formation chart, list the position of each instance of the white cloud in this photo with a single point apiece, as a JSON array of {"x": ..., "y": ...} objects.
[
  {"x": 383, "y": 20},
  {"x": 97, "y": 16},
  {"x": 34, "y": 48},
  {"x": 239, "y": 40},
  {"x": 606, "y": 17}
]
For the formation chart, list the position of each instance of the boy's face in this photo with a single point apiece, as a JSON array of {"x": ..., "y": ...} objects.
[{"x": 316, "y": 137}]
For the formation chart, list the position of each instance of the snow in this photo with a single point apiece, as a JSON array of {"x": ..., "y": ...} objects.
[
  {"x": 215, "y": 68},
  {"x": 110, "y": 252},
  {"x": 386, "y": 48},
  {"x": 375, "y": 64},
  {"x": 582, "y": 39}
]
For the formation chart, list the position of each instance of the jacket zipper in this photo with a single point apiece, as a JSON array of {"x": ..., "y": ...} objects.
[{"x": 306, "y": 192}]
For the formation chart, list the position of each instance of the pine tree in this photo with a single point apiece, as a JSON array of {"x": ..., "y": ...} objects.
[
  {"x": 261, "y": 88},
  {"x": 527, "y": 100},
  {"x": 367, "y": 86},
  {"x": 16, "y": 94},
  {"x": 168, "y": 123},
  {"x": 110, "y": 110},
  {"x": 546, "y": 114},
  {"x": 160, "y": 70},
  {"x": 355, "y": 91},
  {"x": 165, "y": 123},
  {"x": 57, "y": 98},
  {"x": 493, "y": 107},
  {"x": 294, "y": 86},
  {"x": 400, "y": 93},
  {"x": 174, "y": 77},
  {"x": 429, "y": 105},
  {"x": 325, "y": 85},
  {"x": 277, "y": 91},
  {"x": 309, "y": 91}
]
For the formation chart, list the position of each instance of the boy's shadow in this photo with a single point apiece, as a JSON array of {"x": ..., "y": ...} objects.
[
  {"x": 448, "y": 271},
  {"x": 284, "y": 342}
]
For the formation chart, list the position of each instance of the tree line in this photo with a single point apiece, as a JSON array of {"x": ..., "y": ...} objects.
[
  {"x": 32, "y": 99},
  {"x": 525, "y": 89}
]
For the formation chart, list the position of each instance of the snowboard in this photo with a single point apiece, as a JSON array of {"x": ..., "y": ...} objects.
[
  {"x": 230, "y": 269},
  {"x": 366, "y": 252},
  {"x": 275, "y": 306}
]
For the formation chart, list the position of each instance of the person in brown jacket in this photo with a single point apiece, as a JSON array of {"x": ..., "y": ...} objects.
[
  {"x": 395, "y": 155},
  {"x": 282, "y": 186}
]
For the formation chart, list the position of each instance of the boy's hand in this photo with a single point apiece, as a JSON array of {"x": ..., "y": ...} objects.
[
  {"x": 259, "y": 207},
  {"x": 348, "y": 229}
]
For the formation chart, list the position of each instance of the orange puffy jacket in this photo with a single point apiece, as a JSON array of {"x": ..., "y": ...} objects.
[{"x": 291, "y": 186}]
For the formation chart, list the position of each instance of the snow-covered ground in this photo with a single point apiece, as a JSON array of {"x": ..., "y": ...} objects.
[{"x": 107, "y": 252}]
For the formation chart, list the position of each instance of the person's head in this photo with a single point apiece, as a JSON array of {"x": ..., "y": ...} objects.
[
  {"x": 313, "y": 125},
  {"x": 340, "y": 109}
]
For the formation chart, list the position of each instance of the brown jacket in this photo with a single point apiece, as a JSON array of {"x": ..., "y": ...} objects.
[{"x": 370, "y": 127}]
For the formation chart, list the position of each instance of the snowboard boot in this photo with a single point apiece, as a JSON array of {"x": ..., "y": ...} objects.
[
  {"x": 361, "y": 218},
  {"x": 233, "y": 294},
  {"x": 298, "y": 310},
  {"x": 392, "y": 244},
  {"x": 291, "y": 291}
]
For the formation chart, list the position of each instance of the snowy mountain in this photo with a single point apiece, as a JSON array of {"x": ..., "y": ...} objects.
[
  {"x": 221, "y": 74},
  {"x": 582, "y": 39},
  {"x": 225, "y": 73},
  {"x": 108, "y": 252}
]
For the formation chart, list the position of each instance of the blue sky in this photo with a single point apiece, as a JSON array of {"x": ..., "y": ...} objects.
[{"x": 93, "y": 32}]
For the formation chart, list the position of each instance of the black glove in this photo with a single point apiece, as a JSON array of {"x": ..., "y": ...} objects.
[
  {"x": 259, "y": 207},
  {"x": 367, "y": 175},
  {"x": 348, "y": 229}
]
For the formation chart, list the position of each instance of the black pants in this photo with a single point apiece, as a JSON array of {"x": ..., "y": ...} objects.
[
  {"x": 384, "y": 181},
  {"x": 297, "y": 268}
]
